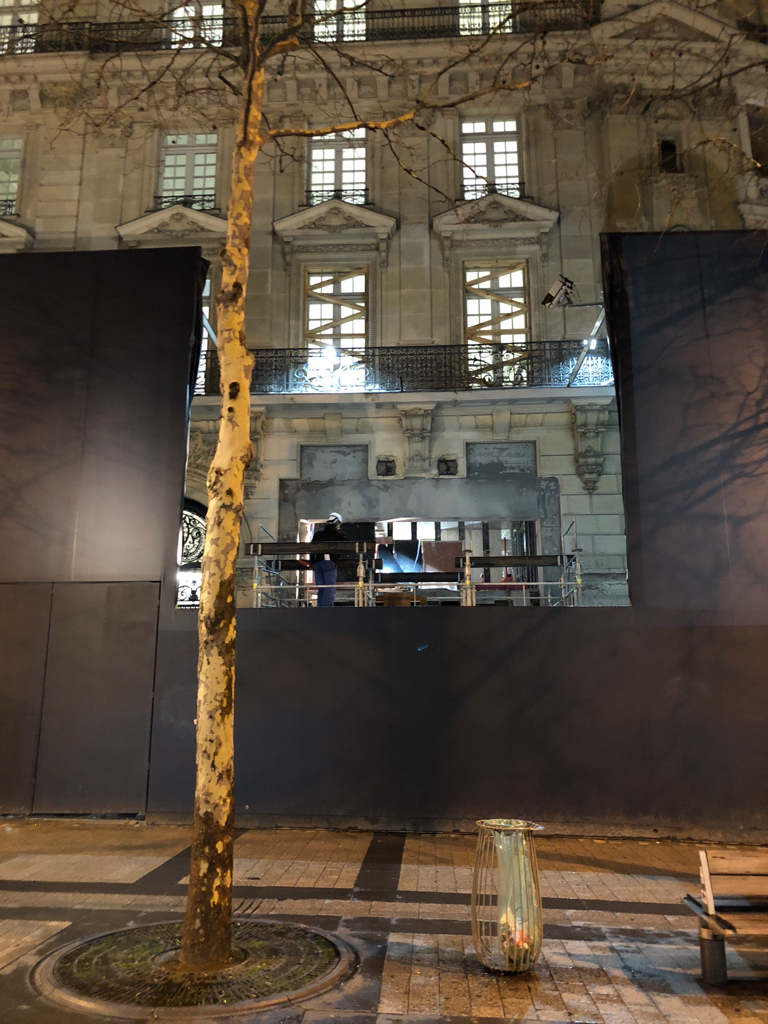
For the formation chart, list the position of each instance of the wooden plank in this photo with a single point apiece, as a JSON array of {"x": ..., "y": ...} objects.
[
  {"x": 706, "y": 885},
  {"x": 738, "y": 862},
  {"x": 748, "y": 923},
  {"x": 740, "y": 885}
]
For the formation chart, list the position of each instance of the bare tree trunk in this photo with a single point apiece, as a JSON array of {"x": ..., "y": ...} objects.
[{"x": 206, "y": 939}]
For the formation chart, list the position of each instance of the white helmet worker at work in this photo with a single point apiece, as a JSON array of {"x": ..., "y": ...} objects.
[{"x": 324, "y": 564}]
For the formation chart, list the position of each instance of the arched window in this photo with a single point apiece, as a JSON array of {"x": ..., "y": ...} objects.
[{"x": 196, "y": 24}]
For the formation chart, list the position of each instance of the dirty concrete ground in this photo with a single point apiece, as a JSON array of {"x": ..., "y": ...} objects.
[{"x": 619, "y": 947}]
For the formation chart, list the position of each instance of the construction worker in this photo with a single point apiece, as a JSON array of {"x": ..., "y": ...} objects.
[{"x": 325, "y": 565}]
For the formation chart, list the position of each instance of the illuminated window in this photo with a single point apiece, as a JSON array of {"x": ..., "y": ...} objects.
[
  {"x": 478, "y": 17},
  {"x": 10, "y": 169},
  {"x": 17, "y": 18},
  {"x": 497, "y": 322},
  {"x": 188, "y": 171},
  {"x": 337, "y": 168},
  {"x": 336, "y": 308},
  {"x": 489, "y": 151},
  {"x": 758, "y": 136},
  {"x": 197, "y": 24},
  {"x": 207, "y": 347},
  {"x": 339, "y": 20}
]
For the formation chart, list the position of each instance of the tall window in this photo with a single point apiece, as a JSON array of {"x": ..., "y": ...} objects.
[
  {"x": 207, "y": 348},
  {"x": 188, "y": 172},
  {"x": 337, "y": 20},
  {"x": 489, "y": 151},
  {"x": 337, "y": 168},
  {"x": 478, "y": 17},
  {"x": 336, "y": 304},
  {"x": 15, "y": 16},
  {"x": 10, "y": 168},
  {"x": 497, "y": 321},
  {"x": 197, "y": 23},
  {"x": 669, "y": 157},
  {"x": 758, "y": 135}
]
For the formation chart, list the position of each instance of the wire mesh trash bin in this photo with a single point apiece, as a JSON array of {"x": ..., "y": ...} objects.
[{"x": 506, "y": 901}]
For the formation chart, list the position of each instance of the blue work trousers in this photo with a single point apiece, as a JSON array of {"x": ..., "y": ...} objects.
[{"x": 325, "y": 575}]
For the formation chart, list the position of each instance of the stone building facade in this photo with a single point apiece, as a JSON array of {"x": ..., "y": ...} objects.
[{"x": 628, "y": 120}]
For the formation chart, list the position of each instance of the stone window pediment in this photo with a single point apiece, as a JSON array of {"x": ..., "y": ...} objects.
[
  {"x": 492, "y": 217},
  {"x": 15, "y": 237},
  {"x": 176, "y": 225},
  {"x": 335, "y": 227}
]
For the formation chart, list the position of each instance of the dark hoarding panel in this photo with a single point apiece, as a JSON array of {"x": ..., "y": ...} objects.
[
  {"x": 94, "y": 739},
  {"x": 688, "y": 317},
  {"x": 95, "y": 353},
  {"x": 417, "y": 718},
  {"x": 25, "y": 611}
]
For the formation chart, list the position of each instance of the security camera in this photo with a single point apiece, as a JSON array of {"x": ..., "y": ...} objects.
[{"x": 559, "y": 293}]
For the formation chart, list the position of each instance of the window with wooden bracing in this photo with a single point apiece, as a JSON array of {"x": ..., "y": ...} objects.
[{"x": 497, "y": 321}]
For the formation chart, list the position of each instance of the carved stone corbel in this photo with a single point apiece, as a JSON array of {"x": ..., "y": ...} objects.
[
  {"x": 447, "y": 244},
  {"x": 253, "y": 473},
  {"x": 203, "y": 435},
  {"x": 416, "y": 424},
  {"x": 589, "y": 422},
  {"x": 287, "y": 255}
]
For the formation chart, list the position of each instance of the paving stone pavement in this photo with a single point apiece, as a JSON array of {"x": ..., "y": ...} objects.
[{"x": 619, "y": 947}]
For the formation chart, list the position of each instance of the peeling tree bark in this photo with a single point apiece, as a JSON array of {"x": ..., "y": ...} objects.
[{"x": 206, "y": 938}]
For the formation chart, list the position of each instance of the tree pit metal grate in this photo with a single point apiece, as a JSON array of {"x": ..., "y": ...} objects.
[{"x": 273, "y": 962}]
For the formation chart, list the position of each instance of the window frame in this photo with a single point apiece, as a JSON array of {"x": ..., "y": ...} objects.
[
  {"x": 487, "y": 183},
  {"x": 345, "y": 21},
  {"x": 9, "y": 204},
  {"x": 188, "y": 24},
  {"x": 190, "y": 197},
  {"x": 497, "y": 297},
  {"x": 344, "y": 301},
  {"x": 18, "y": 25},
  {"x": 480, "y": 17},
  {"x": 494, "y": 360},
  {"x": 337, "y": 144}
]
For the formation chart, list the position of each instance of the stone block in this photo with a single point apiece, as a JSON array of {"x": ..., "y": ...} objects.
[
  {"x": 597, "y": 524},
  {"x": 577, "y": 247},
  {"x": 609, "y": 483},
  {"x": 610, "y": 545},
  {"x": 575, "y": 505},
  {"x": 556, "y": 465},
  {"x": 573, "y": 194},
  {"x": 607, "y": 504},
  {"x": 556, "y": 443},
  {"x": 569, "y": 482}
]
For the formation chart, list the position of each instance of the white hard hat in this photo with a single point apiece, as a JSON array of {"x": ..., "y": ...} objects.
[{"x": 336, "y": 516}]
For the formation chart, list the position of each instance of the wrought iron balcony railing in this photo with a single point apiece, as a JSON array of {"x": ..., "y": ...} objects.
[
  {"x": 203, "y": 201},
  {"x": 7, "y": 207},
  {"x": 548, "y": 364},
  {"x": 358, "y": 196},
  {"x": 474, "y": 190},
  {"x": 534, "y": 16}
]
